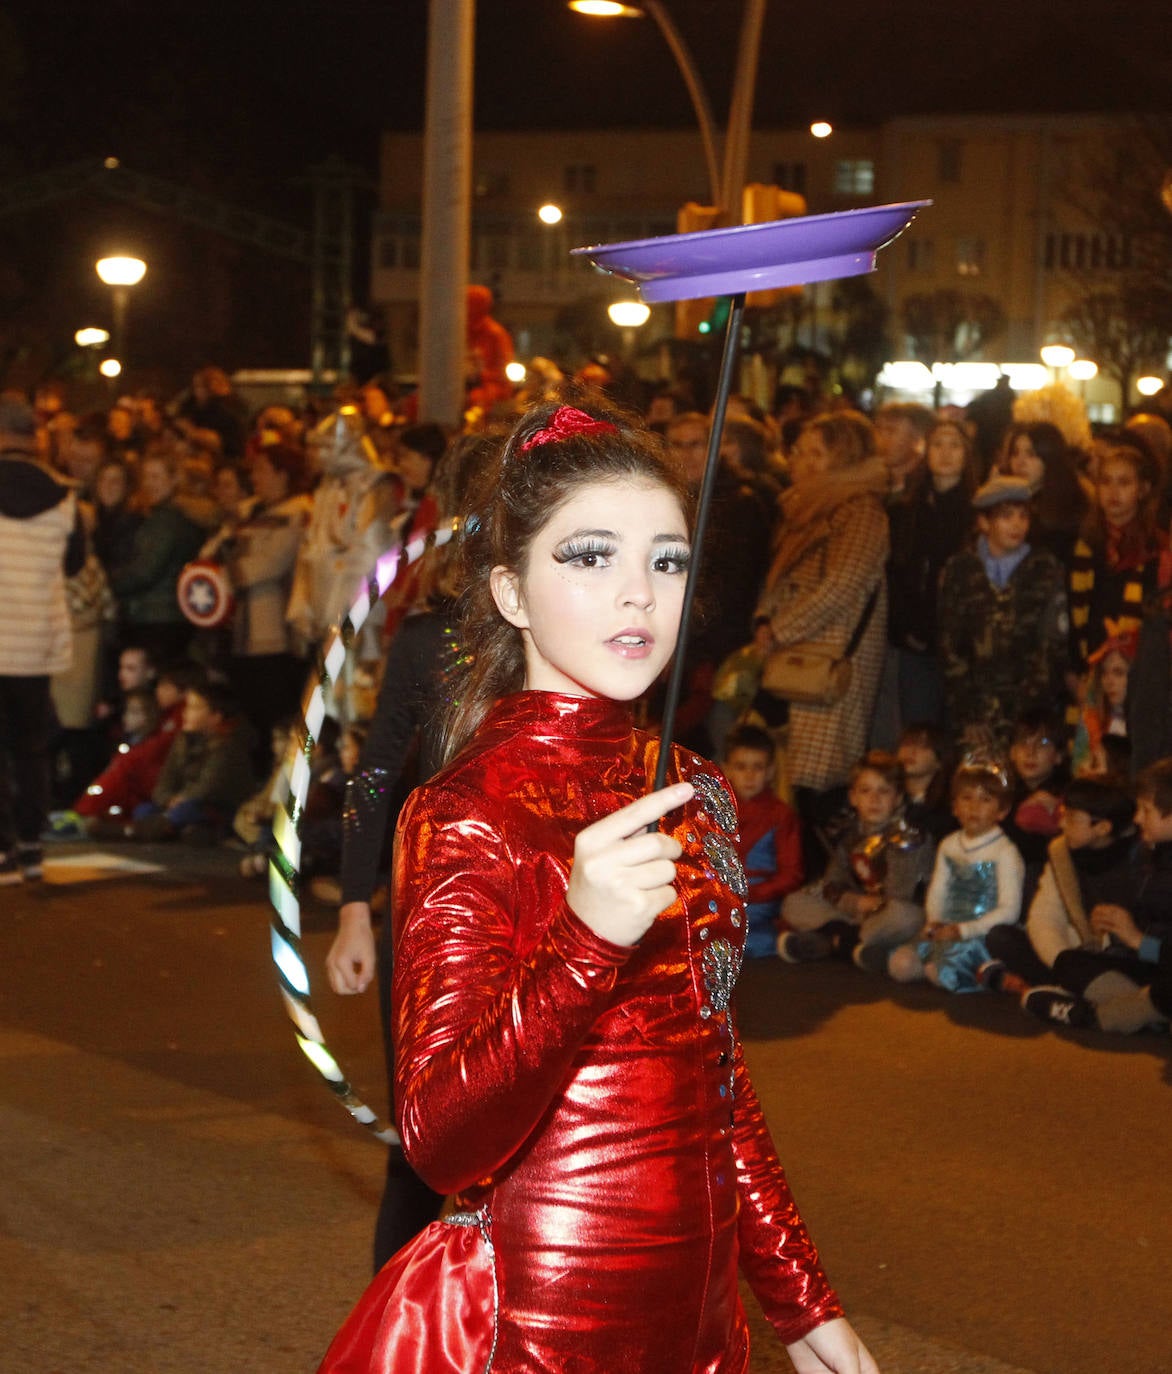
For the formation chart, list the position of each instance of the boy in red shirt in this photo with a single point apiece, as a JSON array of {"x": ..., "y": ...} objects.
[{"x": 770, "y": 845}]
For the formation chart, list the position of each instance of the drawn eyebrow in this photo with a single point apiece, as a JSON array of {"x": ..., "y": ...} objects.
[{"x": 663, "y": 538}]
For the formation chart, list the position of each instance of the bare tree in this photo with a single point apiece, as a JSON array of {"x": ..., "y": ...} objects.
[{"x": 949, "y": 326}]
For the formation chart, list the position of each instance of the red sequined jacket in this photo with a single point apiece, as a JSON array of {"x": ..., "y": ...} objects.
[{"x": 586, "y": 1102}]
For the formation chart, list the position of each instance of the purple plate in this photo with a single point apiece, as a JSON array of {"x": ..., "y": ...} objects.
[{"x": 755, "y": 257}]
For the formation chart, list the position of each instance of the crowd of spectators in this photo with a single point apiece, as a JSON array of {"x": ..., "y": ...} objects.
[{"x": 987, "y": 591}]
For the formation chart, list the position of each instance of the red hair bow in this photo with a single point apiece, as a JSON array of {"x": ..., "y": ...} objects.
[{"x": 565, "y": 422}]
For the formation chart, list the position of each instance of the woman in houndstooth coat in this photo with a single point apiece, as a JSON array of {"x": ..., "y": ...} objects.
[{"x": 829, "y": 561}]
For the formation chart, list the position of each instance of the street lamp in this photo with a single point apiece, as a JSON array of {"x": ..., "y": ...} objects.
[
  {"x": 550, "y": 213},
  {"x": 91, "y": 337},
  {"x": 120, "y": 274},
  {"x": 1057, "y": 356},
  {"x": 725, "y": 181},
  {"x": 629, "y": 314},
  {"x": 1082, "y": 370},
  {"x": 110, "y": 368},
  {"x": 1148, "y": 386},
  {"x": 821, "y": 129}
]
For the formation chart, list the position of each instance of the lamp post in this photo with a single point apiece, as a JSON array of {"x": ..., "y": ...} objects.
[
  {"x": 726, "y": 176},
  {"x": 120, "y": 274}
]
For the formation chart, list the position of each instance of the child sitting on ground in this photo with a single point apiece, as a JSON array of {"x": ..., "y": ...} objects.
[
  {"x": 1092, "y": 861},
  {"x": 253, "y": 821},
  {"x": 1038, "y": 772},
  {"x": 976, "y": 885},
  {"x": 926, "y": 754},
  {"x": 868, "y": 900},
  {"x": 128, "y": 780},
  {"x": 1127, "y": 985},
  {"x": 207, "y": 773},
  {"x": 770, "y": 844}
]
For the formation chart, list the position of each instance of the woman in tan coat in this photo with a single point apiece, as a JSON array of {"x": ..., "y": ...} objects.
[{"x": 826, "y": 576}]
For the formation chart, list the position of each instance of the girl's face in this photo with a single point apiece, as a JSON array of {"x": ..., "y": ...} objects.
[
  {"x": 810, "y": 458},
  {"x": 946, "y": 457},
  {"x": 920, "y": 761},
  {"x": 977, "y": 810},
  {"x": 111, "y": 486},
  {"x": 1121, "y": 491},
  {"x": 874, "y": 799},
  {"x": 598, "y": 603},
  {"x": 1025, "y": 463},
  {"x": 1113, "y": 673}
]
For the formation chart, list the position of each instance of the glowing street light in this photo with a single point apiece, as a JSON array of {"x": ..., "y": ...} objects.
[
  {"x": 821, "y": 129},
  {"x": 121, "y": 271},
  {"x": 550, "y": 213},
  {"x": 110, "y": 367},
  {"x": 1057, "y": 356},
  {"x": 606, "y": 9},
  {"x": 91, "y": 337},
  {"x": 1082, "y": 370},
  {"x": 629, "y": 314},
  {"x": 120, "y": 274},
  {"x": 1148, "y": 386}
]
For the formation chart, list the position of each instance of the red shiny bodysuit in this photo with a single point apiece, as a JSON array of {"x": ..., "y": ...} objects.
[{"x": 587, "y": 1103}]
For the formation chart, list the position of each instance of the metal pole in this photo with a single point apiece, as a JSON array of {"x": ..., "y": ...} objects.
[
  {"x": 695, "y": 85},
  {"x": 740, "y": 113},
  {"x": 447, "y": 164},
  {"x": 732, "y": 341}
]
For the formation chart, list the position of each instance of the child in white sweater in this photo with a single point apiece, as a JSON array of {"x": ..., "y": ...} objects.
[{"x": 976, "y": 885}]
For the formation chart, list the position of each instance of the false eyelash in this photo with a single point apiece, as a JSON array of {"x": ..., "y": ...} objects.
[
  {"x": 577, "y": 547},
  {"x": 680, "y": 554}
]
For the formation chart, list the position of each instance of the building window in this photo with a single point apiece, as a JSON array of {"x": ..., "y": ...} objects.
[
  {"x": 790, "y": 176},
  {"x": 970, "y": 257},
  {"x": 581, "y": 176},
  {"x": 854, "y": 176},
  {"x": 921, "y": 255},
  {"x": 1086, "y": 252},
  {"x": 948, "y": 159}
]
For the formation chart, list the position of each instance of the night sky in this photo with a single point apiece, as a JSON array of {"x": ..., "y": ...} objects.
[
  {"x": 238, "y": 100},
  {"x": 249, "y": 94}
]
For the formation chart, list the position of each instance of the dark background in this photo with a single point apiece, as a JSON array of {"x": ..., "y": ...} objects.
[{"x": 239, "y": 100}]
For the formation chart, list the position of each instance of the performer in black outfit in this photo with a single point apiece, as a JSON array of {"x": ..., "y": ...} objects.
[{"x": 402, "y": 746}]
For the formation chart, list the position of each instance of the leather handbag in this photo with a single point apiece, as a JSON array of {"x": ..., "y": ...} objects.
[{"x": 810, "y": 674}]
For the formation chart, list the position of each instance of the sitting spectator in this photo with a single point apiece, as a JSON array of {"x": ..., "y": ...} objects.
[
  {"x": 1002, "y": 620},
  {"x": 206, "y": 774},
  {"x": 1092, "y": 861},
  {"x": 129, "y": 780},
  {"x": 868, "y": 901},
  {"x": 1127, "y": 986},
  {"x": 976, "y": 885},
  {"x": 1038, "y": 772},
  {"x": 926, "y": 754},
  {"x": 770, "y": 844},
  {"x": 1102, "y": 716}
]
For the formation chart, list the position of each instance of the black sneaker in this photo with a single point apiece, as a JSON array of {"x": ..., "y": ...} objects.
[
  {"x": 1059, "y": 1007},
  {"x": 10, "y": 870},
  {"x": 803, "y": 946},
  {"x": 31, "y": 858}
]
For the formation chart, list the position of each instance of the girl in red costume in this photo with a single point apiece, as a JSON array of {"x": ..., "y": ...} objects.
[{"x": 566, "y": 1061}]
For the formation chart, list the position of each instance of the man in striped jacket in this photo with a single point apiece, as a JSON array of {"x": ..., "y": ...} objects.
[{"x": 41, "y": 542}]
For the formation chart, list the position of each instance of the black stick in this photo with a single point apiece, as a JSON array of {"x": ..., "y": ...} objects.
[{"x": 732, "y": 340}]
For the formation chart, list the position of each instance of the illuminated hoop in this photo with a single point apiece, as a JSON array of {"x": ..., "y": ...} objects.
[{"x": 285, "y": 865}]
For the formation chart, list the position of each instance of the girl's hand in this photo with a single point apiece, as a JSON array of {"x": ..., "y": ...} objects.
[
  {"x": 351, "y": 960},
  {"x": 622, "y": 876},
  {"x": 832, "y": 1348}
]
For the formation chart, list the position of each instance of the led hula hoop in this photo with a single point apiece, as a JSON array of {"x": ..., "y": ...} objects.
[{"x": 285, "y": 865}]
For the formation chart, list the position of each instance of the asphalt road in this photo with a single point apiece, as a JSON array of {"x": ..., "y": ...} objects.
[{"x": 182, "y": 1194}]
